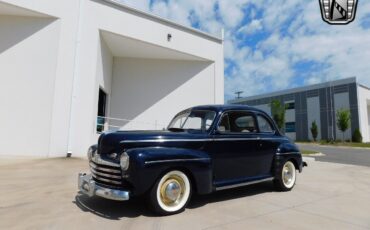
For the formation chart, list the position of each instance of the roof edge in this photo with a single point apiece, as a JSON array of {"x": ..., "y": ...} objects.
[
  {"x": 297, "y": 89},
  {"x": 165, "y": 21}
]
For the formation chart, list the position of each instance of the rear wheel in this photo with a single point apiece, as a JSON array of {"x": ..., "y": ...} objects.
[
  {"x": 286, "y": 177},
  {"x": 171, "y": 193}
]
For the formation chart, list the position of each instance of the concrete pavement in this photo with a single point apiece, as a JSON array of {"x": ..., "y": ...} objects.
[
  {"x": 343, "y": 155},
  {"x": 42, "y": 194}
]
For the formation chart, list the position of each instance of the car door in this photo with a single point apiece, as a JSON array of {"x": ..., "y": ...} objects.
[
  {"x": 268, "y": 144},
  {"x": 234, "y": 148}
]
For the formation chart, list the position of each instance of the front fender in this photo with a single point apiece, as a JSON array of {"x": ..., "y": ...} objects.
[
  {"x": 288, "y": 151},
  {"x": 148, "y": 164}
]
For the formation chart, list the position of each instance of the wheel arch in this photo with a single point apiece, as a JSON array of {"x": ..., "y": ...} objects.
[
  {"x": 294, "y": 161},
  {"x": 288, "y": 151},
  {"x": 150, "y": 164}
]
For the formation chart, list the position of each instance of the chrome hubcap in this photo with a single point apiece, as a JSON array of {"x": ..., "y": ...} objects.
[
  {"x": 172, "y": 190},
  {"x": 288, "y": 174}
]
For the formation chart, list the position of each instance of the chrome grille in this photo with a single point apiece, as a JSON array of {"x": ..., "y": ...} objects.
[{"x": 109, "y": 175}]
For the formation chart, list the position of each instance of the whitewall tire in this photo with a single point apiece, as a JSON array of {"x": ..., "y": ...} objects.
[
  {"x": 171, "y": 193},
  {"x": 286, "y": 177}
]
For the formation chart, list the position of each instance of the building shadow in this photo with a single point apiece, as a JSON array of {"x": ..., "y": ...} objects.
[
  {"x": 115, "y": 210},
  {"x": 15, "y": 29}
]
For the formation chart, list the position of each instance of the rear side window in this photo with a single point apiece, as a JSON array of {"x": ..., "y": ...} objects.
[
  {"x": 264, "y": 125},
  {"x": 238, "y": 122}
]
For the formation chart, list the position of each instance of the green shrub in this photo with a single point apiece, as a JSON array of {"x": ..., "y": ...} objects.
[
  {"x": 314, "y": 130},
  {"x": 357, "y": 137}
]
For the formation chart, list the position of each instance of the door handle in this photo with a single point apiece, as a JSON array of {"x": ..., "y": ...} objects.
[{"x": 259, "y": 141}]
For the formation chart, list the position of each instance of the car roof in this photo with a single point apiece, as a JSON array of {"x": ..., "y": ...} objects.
[{"x": 221, "y": 108}]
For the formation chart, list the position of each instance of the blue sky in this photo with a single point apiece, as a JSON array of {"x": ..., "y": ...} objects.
[{"x": 275, "y": 44}]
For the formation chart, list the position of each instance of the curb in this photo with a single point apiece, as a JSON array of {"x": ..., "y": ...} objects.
[
  {"x": 308, "y": 159},
  {"x": 318, "y": 154},
  {"x": 334, "y": 146}
]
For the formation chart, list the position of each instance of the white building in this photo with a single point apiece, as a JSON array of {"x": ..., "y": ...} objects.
[{"x": 57, "y": 57}]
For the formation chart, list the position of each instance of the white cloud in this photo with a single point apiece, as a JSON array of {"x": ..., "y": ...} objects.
[
  {"x": 294, "y": 33},
  {"x": 231, "y": 12},
  {"x": 254, "y": 26}
]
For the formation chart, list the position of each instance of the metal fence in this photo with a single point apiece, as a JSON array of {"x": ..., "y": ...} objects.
[{"x": 111, "y": 123}]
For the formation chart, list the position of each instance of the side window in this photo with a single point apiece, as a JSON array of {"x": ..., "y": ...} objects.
[
  {"x": 208, "y": 120},
  {"x": 264, "y": 125},
  {"x": 224, "y": 125},
  {"x": 238, "y": 122},
  {"x": 193, "y": 123}
]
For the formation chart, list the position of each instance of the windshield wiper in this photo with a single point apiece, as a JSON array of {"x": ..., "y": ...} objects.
[{"x": 176, "y": 129}]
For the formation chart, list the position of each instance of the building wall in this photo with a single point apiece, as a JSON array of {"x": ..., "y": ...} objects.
[
  {"x": 104, "y": 69},
  {"x": 28, "y": 49},
  {"x": 364, "y": 111},
  {"x": 64, "y": 13},
  {"x": 316, "y": 103},
  {"x": 99, "y": 16},
  {"x": 313, "y": 114},
  {"x": 290, "y": 119},
  {"x": 367, "y": 139},
  {"x": 60, "y": 47},
  {"x": 143, "y": 89},
  {"x": 264, "y": 107}
]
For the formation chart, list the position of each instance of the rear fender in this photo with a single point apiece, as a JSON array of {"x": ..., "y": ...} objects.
[{"x": 287, "y": 151}]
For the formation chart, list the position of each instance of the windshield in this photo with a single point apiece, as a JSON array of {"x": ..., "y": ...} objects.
[{"x": 199, "y": 120}]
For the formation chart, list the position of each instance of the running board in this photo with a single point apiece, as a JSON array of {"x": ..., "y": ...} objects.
[{"x": 244, "y": 184}]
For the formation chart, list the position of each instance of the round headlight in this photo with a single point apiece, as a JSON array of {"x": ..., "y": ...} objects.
[
  {"x": 124, "y": 161},
  {"x": 90, "y": 153}
]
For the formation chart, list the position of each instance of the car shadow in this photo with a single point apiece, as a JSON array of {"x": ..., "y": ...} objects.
[
  {"x": 115, "y": 210},
  {"x": 111, "y": 209}
]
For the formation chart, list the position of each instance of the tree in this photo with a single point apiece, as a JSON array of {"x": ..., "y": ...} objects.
[
  {"x": 278, "y": 113},
  {"x": 357, "y": 137},
  {"x": 343, "y": 118},
  {"x": 314, "y": 130}
]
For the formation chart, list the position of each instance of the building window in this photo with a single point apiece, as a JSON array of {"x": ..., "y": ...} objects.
[
  {"x": 102, "y": 105},
  {"x": 290, "y": 105},
  {"x": 290, "y": 127}
]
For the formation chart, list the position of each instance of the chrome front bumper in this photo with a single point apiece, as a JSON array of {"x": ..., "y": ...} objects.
[{"x": 87, "y": 186}]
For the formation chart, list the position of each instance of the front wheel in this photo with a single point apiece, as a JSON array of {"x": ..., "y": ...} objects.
[
  {"x": 171, "y": 193},
  {"x": 286, "y": 177}
]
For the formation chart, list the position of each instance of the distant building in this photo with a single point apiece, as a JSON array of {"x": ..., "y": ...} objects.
[{"x": 319, "y": 103}]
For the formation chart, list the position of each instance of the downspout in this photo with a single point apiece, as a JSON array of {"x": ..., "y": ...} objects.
[
  {"x": 223, "y": 68},
  {"x": 332, "y": 112},
  {"x": 75, "y": 79}
]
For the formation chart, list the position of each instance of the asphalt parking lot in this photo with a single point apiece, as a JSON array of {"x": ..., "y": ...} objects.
[
  {"x": 42, "y": 194},
  {"x": 338, "y": 154}
]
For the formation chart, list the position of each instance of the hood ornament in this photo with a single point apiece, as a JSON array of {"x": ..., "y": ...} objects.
[{"x": 113, "y": 155}]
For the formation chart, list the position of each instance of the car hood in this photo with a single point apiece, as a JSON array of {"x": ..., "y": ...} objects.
[{"x": 117, "y": 141}]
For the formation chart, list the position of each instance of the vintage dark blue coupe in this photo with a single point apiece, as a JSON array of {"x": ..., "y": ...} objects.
[{"x": 204, "y": 149}]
